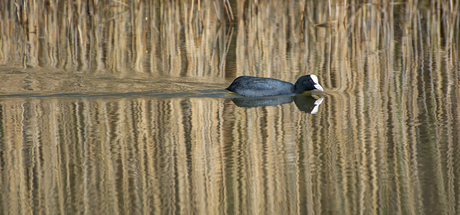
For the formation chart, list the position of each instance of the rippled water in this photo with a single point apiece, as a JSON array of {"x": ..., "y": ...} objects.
[{"x": 134, "y": 118}]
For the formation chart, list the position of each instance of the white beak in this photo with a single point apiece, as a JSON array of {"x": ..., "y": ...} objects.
[
  {"x": 318, "y": 87},
  {"x": 315, "y": 80}
]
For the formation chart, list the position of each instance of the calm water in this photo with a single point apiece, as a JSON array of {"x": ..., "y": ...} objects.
[{"x": 123, "y": 110}]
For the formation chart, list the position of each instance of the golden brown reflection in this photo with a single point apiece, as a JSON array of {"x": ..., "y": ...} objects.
[
  {"x": 385, "y": 139},
  {"x": 204, "y": 155}
]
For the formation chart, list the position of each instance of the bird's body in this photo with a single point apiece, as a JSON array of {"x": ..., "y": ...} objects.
[{"x": 256, "y": 87}]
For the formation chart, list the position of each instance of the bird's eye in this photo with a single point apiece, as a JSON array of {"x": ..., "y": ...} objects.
[{"x": 311, "y": 80}]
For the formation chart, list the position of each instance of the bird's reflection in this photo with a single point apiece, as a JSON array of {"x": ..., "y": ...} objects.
[{"x": 305, "y": 103}]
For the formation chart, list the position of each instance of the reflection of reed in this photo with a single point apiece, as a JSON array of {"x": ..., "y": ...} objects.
[{"x": 386, "y": 141}]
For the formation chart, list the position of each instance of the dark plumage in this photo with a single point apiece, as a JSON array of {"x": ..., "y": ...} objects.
[{"x": 255, "y": 87}]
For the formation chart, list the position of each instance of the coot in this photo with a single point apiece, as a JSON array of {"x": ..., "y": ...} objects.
[{"x": 256, "y": 87}]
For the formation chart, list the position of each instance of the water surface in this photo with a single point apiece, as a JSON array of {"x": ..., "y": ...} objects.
[{"x": 121, "y": 108}]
